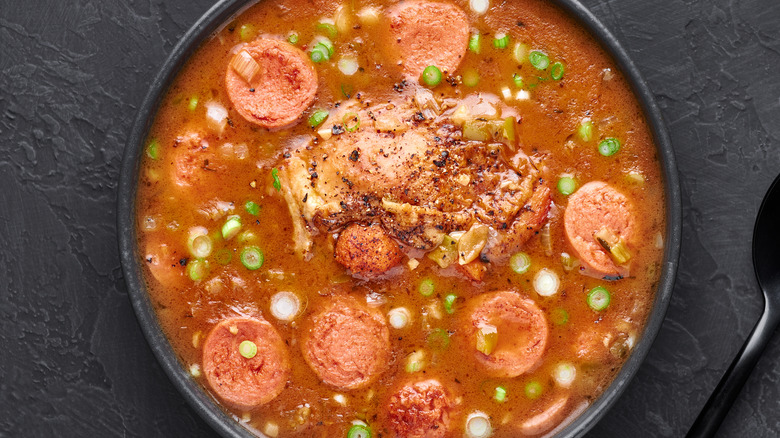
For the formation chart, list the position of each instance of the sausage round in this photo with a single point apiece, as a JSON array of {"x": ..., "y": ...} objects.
[
  {"x": 420, "y": 410},
  {"x": 594, "y": 206},
  {"x": 282, "y": 88},
  {"x": 423, "y": 33},
  {"x": 522, "y": 332},
  {"x": 347, "y": 344},
  {"x": 240, "y": 381},
  {"x": 367, "y": 251}
]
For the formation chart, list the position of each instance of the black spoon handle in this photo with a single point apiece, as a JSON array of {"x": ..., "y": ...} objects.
[{"x": 719, "y": 403}]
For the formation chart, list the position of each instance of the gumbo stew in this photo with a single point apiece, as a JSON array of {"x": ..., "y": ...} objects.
[{"x": 423, "y": 218}]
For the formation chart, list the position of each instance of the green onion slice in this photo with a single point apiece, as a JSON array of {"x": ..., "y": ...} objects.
[
  {"x": 449, "y": 303},
  {"x": 328, "y": 29},
  {"x": 518, "y": 80},
  {"x": 598, "y": 298},
  {"x": 293, "y": 38},
  {"x": 248, "y": 349},
  {"x": 275, "y": 176},
  {"x": 586, "y": 130},
  {"x": 431, "y": 76},
  {"x": 427, "y": 287},
  {"x": 500, "y": 394},
  {"x": 197, "y": 269},
  {"x": 474, "y": 43},
  {"x": 539, "y": 60},
  {"x": 317, "y": 117},
  {"x": 567, "y": 185},
  {"x": 359, "y": 431},
  {"x": 252, "y": 208},
  {"x": 470, "y": 77},
  {"x": 193, "y": 103},
  {"x": 317, "y": 55},
  {"x": 520, "y": 262},
  {"x": 231, "y": 227},
  {"x": 501, "y": 41},
  {"x": 351, "y": 121},
  {"x": 247, "y": 32},
  {"x": 560, "y": 316},
  {"x": 533, "y": 390},
  {"x": 223, "y": 256},
  {"x": 438, "y": 339},
  {"x": 556, "y": 71},
  {"x": 252, "y": 258},
  {"x": 153, "y": 150},
  {"x": 609, "y": 146}
]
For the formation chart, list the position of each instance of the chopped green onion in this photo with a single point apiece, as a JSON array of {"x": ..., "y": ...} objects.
[
  {"x": 193, "y": 103},
  {"x": 246, "y": 236},
  {"x": 427, "y": 287},
  {"x": 247, "y": 32},
  {"x": 598, "y": 298},
  {"x": 252, "y": 208},
  {"x": 197, "y": 269},
  {"x": 487, "y": 338},
  {"x": 518, "y": 80},
  {"x": 567, "y": 185},
  {"x": 399, "y": 318},
  {"x": 223, "y": 256},
  {"x": 501, "y": 41},
  {"x": 292, "y": 38},
  {"x": 546, "y": 282},
  {"x": 431, "y": 76},
  {"x": 153, "y": 150},
  {"x": 564, "y": 374},
  {"x": 231, "y": 227},
  {"x": 252, "y": 258},
  {"x": 520, "y": 52},
  {"x": 560, "y": 316},
  {"x": 329, "y": 29},
  {"x": 569, "y": 262},
  {"x": 539, "y": 60},
  {"x": 520, "y": 262},
  {"x": 609, "y": 146},
  {"x": 248, "y": 349},
  {"x": 533, "y": 390},
  {"x": 318, "y": 55},
  {"x": 317, "y": 117},
  {"x": 500, "y": 394},
  {"x": 348, "y": 66},
  {"x": 275, "y": 176},
  {"x": 449, "y": 302},
  {"x": 351, "y": 121},
  {"x": 556, "y": 71},
  {"x": 326, "y": 44},
  {"x": 470, "y": 77},
  {"x": 586, "y": 130},
  {"x": 359, "y": 431},
  {"x": 478, "y": 425},
  {"x": 201, "y": 246},
  {"x": 438, "y": 339},
  {"x": 474, "y": 43},
  {"x": 414, "y": 362}
]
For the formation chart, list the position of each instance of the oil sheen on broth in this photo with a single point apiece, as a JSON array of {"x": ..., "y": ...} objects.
[{"x": 412, "y": 218}]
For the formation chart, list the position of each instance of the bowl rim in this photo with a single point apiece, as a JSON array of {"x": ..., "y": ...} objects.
[{"x": 203, "y": 403}]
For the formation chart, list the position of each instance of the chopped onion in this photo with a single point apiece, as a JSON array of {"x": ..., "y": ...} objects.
[
  {"x": 245, "y": 66},
  {"x": 340, "y": 399},
  {"x": 195, "y": 370},
  {"x": 546, "y": 282},
  {"x": 368, "y": 15},
  {"x": 216, "y": 116},
  {"x": 343, "y": 19},
  {"x": 348, "y": 66},
  {"x": 478, "y": 425},
  {"x": 271, "y": 429},
  {"x": 564, "y": 374},
  {"x": 479, "y": 6},
  {"x": 659, "y": 241},
  {"x": 506, "y": 92},
  {"x": 399, "y": 317},
  {"x": 522, "y": 95},
  {"x": 285, "y": 306}
]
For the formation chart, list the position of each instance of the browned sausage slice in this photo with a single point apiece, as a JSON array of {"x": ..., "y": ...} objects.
[
  {"x": 546, "y": 420},
  {"x": 367, "y": 251},
  {"x": 521, "y": 332},
  {"x": 271, "y": 83},
  {"x": 594, "y": 206},
  {"x": 423, "y": 33},
  {"x": 420, "y": 410},
  {"x": 347, "y": 344},
  {"x": 234, "y": 378}
]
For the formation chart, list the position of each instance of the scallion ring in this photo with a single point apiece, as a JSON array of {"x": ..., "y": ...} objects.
[
  {"x": 539, "y": 60},
  {"x": 567, "y": 185},
  {"x": 252, "y": 258},
  {"x": 609, "y": 146},
  {"x": 351, "y": 121},
  {"x": 599, "y": 298},
  {"x": 247, "y": 349},
  {"x": 431, "y": 76},
  {"x": 317, "y": 117}
]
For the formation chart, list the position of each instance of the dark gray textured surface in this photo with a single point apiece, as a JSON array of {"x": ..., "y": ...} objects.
[{"x": 73, "y": 361}]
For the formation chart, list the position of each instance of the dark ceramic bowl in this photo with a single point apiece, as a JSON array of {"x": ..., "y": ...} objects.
[{"x": 199, "y": 399}]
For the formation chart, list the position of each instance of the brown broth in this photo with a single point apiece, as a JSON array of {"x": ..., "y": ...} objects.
[{"x": 188, "y": 310}]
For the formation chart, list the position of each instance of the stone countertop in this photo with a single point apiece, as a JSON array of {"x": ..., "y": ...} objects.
[{"x": 73, "y": 361}]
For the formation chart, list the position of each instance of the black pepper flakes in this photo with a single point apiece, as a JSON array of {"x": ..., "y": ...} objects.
[
  {"x": 337, "y": 129},
  {"x": 354, "y": 155}
]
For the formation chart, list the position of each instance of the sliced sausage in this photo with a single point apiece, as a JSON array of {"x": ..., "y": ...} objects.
[
  {"x": 165, "y": 263},
  {"x": 594, "y": 206},
  {"x": 367, "y": 251},
  {"x": 234, "y": 378},
  {"x": 194, "y": 162},
  {"x": 423, "y": 33},
  {"x": 547, "y": 419},
  {"x": 347, "y": 344},
  {"x": 521, "y": 332},
  {"x": 420, "y": 410},
  {"x": 271, "y": 83}
]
